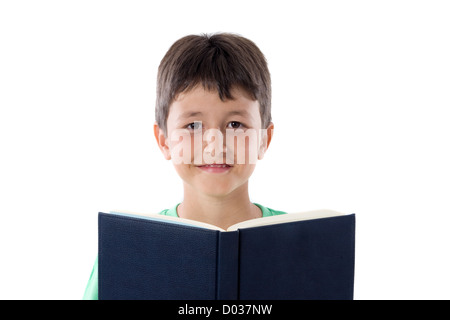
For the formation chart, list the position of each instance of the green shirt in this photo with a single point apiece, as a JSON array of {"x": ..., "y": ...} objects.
[{"x": 91, "y": 292}]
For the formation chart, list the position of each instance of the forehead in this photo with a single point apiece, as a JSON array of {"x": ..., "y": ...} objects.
[{"x": 199, "y": 102}]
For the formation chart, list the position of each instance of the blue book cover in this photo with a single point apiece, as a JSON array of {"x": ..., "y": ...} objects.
[{"x": 293, "y": 256}]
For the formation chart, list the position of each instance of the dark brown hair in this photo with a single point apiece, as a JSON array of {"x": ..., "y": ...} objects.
[{"x": 218, "y": 62}]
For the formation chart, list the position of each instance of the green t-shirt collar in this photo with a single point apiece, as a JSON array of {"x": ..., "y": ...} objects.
[{"x": 173, "y": 211}]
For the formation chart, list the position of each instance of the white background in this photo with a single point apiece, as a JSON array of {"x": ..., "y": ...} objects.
[{"x": 361, "y": 98}]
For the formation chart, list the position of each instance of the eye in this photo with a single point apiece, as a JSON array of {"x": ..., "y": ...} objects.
[
  {"x": 194, "y": 125},
  {"x": 236, "y": 125}
]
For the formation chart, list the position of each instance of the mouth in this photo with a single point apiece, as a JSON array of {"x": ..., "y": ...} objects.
[
  {"x": 224, "y": 165},
  {"x": 215, "y": 168}
]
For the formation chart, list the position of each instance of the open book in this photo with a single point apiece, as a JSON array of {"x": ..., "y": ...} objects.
[
  {"x": 305, "y": 255},
  {"x": 282, "y": 218}
]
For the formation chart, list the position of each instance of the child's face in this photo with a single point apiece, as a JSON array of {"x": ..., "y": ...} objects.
[{"x": 204, "y": 139}]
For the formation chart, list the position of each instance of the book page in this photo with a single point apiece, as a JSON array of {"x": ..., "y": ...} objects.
[
  {"x": 285, "y": 218},
  {"x": 169, "y": 219}
]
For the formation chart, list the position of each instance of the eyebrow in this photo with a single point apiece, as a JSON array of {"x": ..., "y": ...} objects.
[{"x": 186, "y": 115}]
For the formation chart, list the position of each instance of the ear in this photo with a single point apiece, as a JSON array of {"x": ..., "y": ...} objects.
[
  {"x": 162, "y": 141},
  {"x": 266, "y": 138}
]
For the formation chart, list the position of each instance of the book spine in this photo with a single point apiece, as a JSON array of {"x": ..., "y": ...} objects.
[
  {"x": 227, "y": 266},
  {"x": 100, "y": 256}
]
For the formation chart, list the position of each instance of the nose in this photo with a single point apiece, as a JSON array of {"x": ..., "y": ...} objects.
[{"x": 215, "y": 147}]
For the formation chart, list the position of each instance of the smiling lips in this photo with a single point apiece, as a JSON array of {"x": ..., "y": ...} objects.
[{"x": 215, "y": 168}]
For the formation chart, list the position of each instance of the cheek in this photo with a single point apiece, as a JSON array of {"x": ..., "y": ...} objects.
[
  {"x": 247, "y": 170},
  {"x": 180, "y": 169},
  {"x": 244, "y": 148}
]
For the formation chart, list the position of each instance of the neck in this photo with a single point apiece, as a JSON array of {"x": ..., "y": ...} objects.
[{"x": 222, "y": 211}]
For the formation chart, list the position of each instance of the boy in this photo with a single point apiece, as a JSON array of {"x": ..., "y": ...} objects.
[{"x": 205, "y": 84}]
